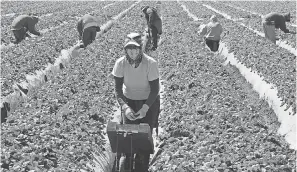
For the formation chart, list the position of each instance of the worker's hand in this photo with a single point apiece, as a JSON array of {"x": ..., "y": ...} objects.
[
  {"x": 129, "y": 113},
  {"x": 142, "y": 112},
  {"x": 75, "y": 47}
]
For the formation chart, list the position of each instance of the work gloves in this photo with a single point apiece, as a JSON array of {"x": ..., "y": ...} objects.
[
  {"x": 142, "y": 112},
  {"x": 130, "y": 114}
]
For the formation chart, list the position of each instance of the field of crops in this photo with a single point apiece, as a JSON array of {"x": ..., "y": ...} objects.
[{"x": 212, "y": 118}]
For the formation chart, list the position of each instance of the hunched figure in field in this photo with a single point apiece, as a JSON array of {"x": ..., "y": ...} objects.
[
  {"x": 21, "y": 25},
  {"x": 136, "y": 78},
  {"x": 274, "y": 21},
  {"x": 87, "y": 28},
  {"x": 212, "y": 33},
  {"x": 154, "y": 23}
]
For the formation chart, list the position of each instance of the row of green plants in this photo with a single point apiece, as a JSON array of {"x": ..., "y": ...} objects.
[
  {"x": 60, "y": 126},
  {"x": 212, "y": 118}
]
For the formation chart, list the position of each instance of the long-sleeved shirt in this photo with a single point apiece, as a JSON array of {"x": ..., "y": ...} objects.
[
  {"x": 87, "y": 21},
  {"x": 276, "y": 19},
  {"x": 212, "y": 31},
  {"x": 26, "y": 21},
  {"x": 153, "y": 19}
]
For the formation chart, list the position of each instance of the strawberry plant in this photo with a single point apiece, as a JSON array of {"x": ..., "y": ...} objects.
[
  {"x": 213, "y": 120},
  {"x": 256, "y": 53},
  {"x": 255, "y": 21}
]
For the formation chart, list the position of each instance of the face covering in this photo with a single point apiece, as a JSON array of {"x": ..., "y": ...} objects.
[
  {"x": 134, "y": 56},
  {"x": 133, "y": 53}
]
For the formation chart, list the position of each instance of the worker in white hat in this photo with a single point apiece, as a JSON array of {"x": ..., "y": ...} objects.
[{"x": 136, "y": 78}]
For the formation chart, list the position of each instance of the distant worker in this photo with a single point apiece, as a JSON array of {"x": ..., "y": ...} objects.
[
  {"x": 21, "y": 25},
  {"x": 274, "y": 21},
  {"x": 154, "y": 23},
  {"x": 87, "y": 28},
  {"x": 212, "y": 33}
]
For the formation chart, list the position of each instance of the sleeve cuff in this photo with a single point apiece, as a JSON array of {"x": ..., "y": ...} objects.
[{"x": 145, "y": 107}]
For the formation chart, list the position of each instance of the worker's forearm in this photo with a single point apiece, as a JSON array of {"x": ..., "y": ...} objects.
[{"x": 119, "y": 90}]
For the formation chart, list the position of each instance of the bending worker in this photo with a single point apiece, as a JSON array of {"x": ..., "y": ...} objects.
[
  {"x": 274, "y": 21},
  {"x": 87, "y": 28},
  {"x": 211, "y": 33},
  {"x": 21, "y": 25},
  {"x": 154, "y": 23}
]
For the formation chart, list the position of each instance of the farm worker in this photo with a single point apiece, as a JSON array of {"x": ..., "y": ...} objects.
[
  {"x": 87, "y": 28},
  {"x": 21, "y": 25},
  {"x": 136, "y": 78},
  {"x": 274, "y": 21},
  {"x": 212, "y": 33},
  {"x": 154, "y": 23}
]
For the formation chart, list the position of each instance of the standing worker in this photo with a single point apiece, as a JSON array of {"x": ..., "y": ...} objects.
[
  {"x": 274, "y": 21},
  {"x": 154, "y": 23},
  {"x": 87, "y": 28},
  {"x": 212, "y": 33},
  {"x": 21, "y": 25}
]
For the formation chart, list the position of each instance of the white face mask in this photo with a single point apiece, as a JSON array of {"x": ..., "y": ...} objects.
[{"x": 133, "y": 53}]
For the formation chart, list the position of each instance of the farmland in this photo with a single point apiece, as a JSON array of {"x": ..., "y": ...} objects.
[{"x": 212, "y": 118}]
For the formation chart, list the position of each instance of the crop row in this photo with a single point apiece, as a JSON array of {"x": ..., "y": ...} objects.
[
  {"x": 35, "y": 53},
  {"x": 213, "y": 121},
  {"x": 254, "y": 22},
  {"x": 44, "y": 8},
  {"x": 260, "y": 55},
  {"x": 63, "y": 7},
  {"x": 23, "y": 7},
  {"x": 209, "y": 108},
  {"x": 32, "y": 55},
  {"x": 55, "y": 19},
  {"x": 61, "y": 123},
  {"x": 265, "y": 7}
]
